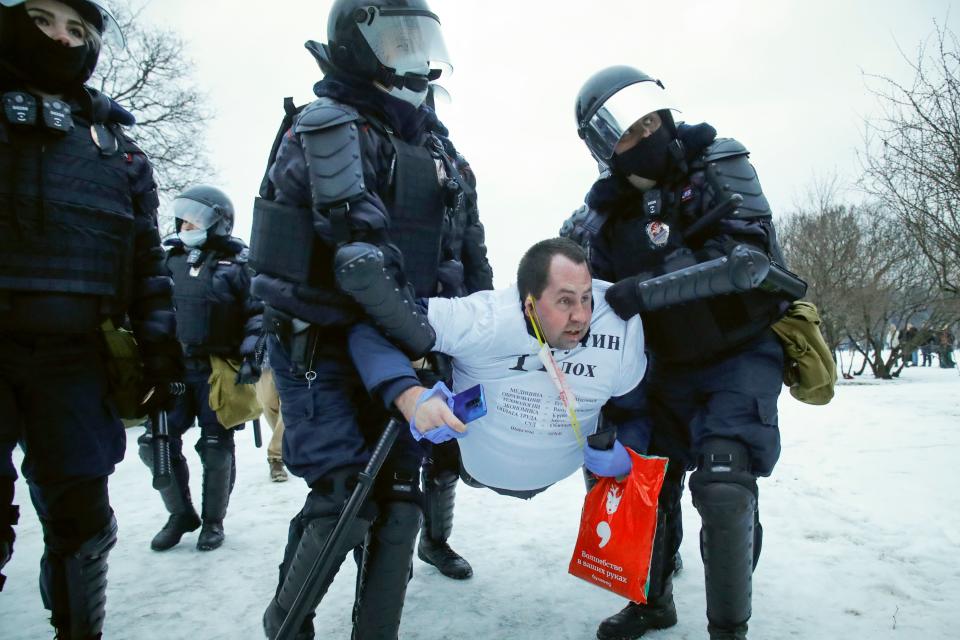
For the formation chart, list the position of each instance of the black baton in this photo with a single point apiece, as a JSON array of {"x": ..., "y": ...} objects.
[
  {"x": 257, "y": 436},
  {"x": 160, "y": 433}
]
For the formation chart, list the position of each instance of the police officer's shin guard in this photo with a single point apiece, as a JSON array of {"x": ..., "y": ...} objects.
[
  {"x": 725, "y": 494},
  {"x": 308, "y": 532},
  {"x": 384, "y": 572},
  {"x": 439, "y": 492},
  {"x": 74, "y": 585},
  {"x": 659, "y": 612},
  {"x": 9, "y": 516},
  {"x": 219, "y": 473},
  {"x": 176, "y": 498}
]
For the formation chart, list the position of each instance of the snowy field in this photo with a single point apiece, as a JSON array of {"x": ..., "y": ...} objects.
[{"x": 861, "y": 521}]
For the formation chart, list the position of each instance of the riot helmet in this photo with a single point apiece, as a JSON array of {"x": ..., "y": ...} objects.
[
  {"x": 610, "y": 102},
  {"x": 28, "y": 49},
  {"x": 396, "y": 43},
  {"x": 208, "y": 209}
]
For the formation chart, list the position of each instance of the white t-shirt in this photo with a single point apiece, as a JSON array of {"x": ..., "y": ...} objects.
[{"x": 526, "y": 440}]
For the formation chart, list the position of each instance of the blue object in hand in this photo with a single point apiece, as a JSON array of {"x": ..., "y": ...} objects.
[
  {"x": 607, "y": 463},
  {"x": 441, "y": 433}
]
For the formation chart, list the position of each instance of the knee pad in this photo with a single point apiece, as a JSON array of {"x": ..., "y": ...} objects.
[
  {"x": 726, "y": 463},
  {"x": 385, "y": 572},
  {"x": 398, "y": 522},
  {"x": 399, "y": 482},
  {"x": 74, "y": 513},
  {"x": 725, "y": 494},
  {"x": 439, "y": 495},
  {"x": 145, "y": 449},
  {"x": 73, "y": 585},
  {"x": 329, "y": 494},
  {"x": 215, "y": 452}
]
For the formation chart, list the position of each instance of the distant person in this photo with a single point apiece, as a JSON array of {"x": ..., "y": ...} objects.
[
  {"x": 926, "y": 349},
  {"x": 216, "y": 317},
  {"x": 908, "y": 345},
  {"x": 945, "y": 348}
]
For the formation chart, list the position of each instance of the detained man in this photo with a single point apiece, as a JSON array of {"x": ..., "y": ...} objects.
[{"x": 548, "y": 337}]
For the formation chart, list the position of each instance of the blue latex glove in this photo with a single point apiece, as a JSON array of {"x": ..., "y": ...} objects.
[
  {"x": 607, "y": 463},
  {"x": 442, "y": 433}
]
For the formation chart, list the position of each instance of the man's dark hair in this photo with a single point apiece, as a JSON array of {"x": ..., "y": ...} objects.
[{"x": 534, "y": 270}]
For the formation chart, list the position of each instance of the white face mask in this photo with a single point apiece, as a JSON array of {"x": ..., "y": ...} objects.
[
  {"x": 193, "y": 238},
  {"x": 416, "y": 98}
]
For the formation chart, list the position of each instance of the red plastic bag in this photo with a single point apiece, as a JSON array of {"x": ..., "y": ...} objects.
[{"x": 617, "y": 527}]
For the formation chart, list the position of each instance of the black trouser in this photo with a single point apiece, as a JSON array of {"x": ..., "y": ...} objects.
[{"x": 54, "y": 402}]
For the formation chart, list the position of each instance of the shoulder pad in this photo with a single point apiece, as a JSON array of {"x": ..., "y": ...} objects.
[
  {"x": 583, "y": 225},
  {"x": 728, "y": 171},
  {"x": 331, "y": 145},
  {"x": 243, "y": 257},
  {"x": 324, "y": 113},
  {"x": 724, "y": 148}
]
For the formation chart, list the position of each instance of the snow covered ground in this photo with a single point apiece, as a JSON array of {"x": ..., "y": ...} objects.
[{"x": 861, "y": 521}]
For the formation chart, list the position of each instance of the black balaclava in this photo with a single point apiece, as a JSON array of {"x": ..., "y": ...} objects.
[
  {"x": 652, "y": 157},
  {"x": 39, "y": 59}
]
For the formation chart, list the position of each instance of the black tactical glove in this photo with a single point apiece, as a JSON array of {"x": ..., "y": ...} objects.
[
  {"x": 162, "y": 373},
  {"x": 158, "y": 395},
  {"x": 623, "y": 297},
  {"x": 249, "y": 371}
]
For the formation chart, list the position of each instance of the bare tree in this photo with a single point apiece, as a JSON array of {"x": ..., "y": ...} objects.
[
  {"x": 866, "y": 276},
  {"x": 821, "y": 242},
  {"x": 151, "y": 78},
  {"x": 912, "y": 153}
]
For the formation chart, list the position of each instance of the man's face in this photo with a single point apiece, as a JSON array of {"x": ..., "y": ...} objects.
[{"x": 566, "y": 305}]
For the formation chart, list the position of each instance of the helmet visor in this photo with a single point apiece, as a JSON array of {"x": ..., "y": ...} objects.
[
  {"x": 621, "y": 110},
  {"x": 200, "y": 215},
  {"x": 406, "y": 40},
  {"x": 90, "y": 11}
]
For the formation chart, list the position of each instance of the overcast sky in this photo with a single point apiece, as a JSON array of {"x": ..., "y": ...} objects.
[{"x": 785, "y": 77}]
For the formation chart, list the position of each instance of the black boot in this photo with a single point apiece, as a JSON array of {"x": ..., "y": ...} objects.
[
  {"x": 384, "y": 572},
  {"x": 74, "y": 586},
  {"x": 177, "y": 525},
  {"x": 176, "y": 498},
  {"x": 439, "y": 491},
  {"x": 308, "y": 532},
  {"x": 636, "y": 619},
  {"x": 218, "y": 476}
]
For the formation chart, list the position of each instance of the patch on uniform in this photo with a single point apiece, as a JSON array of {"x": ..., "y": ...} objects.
[
  {"x": 687, "y": 193},
  {"x": 658, "y": 232}
]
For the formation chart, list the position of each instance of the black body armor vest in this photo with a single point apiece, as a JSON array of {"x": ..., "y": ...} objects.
[
  {"x": 205, "y": 324},
  {"x": 296, "y": 246},
  {"x": 649, "y": 240},
  {"x": 66, "y": 216}
]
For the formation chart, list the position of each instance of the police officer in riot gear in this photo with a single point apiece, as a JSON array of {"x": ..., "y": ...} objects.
[
  {"x": 365, "y": 165},
  {"x": 673, "y": 196},
  {"x": 216, "y": 316},
  {"x": 80, "y": 246}
]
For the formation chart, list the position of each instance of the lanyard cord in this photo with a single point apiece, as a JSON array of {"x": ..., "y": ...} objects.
[{"x": 556, "y": 376}]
